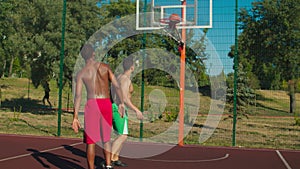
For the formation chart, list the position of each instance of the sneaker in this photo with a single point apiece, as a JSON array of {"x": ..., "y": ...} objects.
[
  {"x": 109, "y": 167},
  {"x": 119, "y": 163},
  {"x": 102, "y": 165}
]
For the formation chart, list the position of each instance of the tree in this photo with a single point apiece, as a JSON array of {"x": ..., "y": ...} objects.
[
  {"x": 195, "y": 58},
  {"x": 5, "y": 7},
  {"x": 270, "y": 43},
  {"x": 245, "y": 95},
  {"x": 11, "y": 41},
  {"x": 33, "y": 35}
]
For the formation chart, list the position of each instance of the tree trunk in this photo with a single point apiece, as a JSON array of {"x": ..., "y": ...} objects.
[
  {"x": 0, "y": 95},
  {"x": 11, "y": 67},
  {"x": 4, "y": 66},
  {"x": 292, "y": 96},
  {"x": 292, "y": 103}
]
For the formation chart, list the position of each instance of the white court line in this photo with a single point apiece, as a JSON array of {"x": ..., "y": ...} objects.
[
  {"x": 188, "y": 161},
  {"x": 283, "y": 160},
  {"x": 43, "y": 151}
]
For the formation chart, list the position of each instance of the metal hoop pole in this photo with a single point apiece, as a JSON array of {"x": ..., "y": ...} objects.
[{"x": 182, "y": 81}]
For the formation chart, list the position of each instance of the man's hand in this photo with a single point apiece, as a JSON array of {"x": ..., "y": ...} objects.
[
  {"x": 139, "y": 115},
  {"x": 76, "y": 125},
  {"x": 121, "y": 109}
]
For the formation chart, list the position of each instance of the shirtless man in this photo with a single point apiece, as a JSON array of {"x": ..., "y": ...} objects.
[
  {"x": 120, "y": 122},
  {"x": 96, "y": 77}
]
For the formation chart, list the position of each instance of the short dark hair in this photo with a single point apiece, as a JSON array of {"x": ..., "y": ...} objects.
[
  {"x": 127, "y": 63},
  {"x": 87, "y": 51}
]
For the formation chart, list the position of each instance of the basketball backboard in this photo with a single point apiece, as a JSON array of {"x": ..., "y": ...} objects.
[{"x": 193, "y": 13}]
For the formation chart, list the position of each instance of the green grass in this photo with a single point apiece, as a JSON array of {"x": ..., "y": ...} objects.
[{"x": 268, "y": 126}]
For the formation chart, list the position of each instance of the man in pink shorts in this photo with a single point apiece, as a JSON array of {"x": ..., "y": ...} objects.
[{"x": 96, "y": 77}]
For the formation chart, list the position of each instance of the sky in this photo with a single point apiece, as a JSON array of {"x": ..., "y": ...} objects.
[{"x": 222, "y": 34}]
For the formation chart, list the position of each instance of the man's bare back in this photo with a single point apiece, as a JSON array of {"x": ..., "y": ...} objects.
[{"x": 96, "y": 79}]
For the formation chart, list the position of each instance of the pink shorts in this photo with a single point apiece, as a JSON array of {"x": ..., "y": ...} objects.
[{"x": 97, "y": 120}]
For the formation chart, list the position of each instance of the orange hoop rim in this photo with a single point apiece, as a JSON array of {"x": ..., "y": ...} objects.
[
  {"x": 164, "y": 20},
  {"x": 167, "y": 21}
]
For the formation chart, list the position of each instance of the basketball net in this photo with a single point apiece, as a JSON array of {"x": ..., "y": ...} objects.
[{"x": 170, "y": 28}]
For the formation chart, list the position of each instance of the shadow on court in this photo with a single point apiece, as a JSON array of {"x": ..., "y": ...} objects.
[
  {"x": 55, "y": 159},
  {"x": 80, "y": 153}
]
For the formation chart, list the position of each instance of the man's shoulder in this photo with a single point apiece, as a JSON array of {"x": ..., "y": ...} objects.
[
  {"x": 83, "y": 71},
  {"x": 79, "y": 75},
  {"x": 80, "y": 72},
  {"x": 124, "y": 78},
  {"x": 102, "y": 65}
]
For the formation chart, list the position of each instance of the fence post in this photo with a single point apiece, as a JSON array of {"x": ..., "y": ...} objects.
[
  {"x": 61, "y": 68},
  {"x": 235, "y": 76}
]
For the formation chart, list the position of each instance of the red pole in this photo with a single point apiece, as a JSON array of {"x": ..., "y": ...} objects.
[{"x": 182, "y": 81}]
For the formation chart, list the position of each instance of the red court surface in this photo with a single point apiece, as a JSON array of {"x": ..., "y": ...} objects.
[{"x": 31, "y": 152}]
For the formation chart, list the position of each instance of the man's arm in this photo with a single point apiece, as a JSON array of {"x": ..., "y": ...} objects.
[
  {"x": 118, "y": 91},
  {"x": 78, "y": 91},
  {"x": 125, "y": 88}
]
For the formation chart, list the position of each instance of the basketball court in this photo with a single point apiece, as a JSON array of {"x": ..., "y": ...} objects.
[
  {"x": 173, "y": 18},
  {"x": 52, "y": 152}
]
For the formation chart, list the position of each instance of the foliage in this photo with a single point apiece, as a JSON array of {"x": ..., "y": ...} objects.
[
  {"x": 297, "y": 121},
  {"x": 30, "y": 43},
  {"x": 34, "y": 37},
  {"x": 195, "y": 59},
  {"x": 245, "y": 96},
  {"x": 12, "y": 40},
  {"x": 170, "y": 116},
  {"x": 269, "y": 41},
  {"x": 269, "y": 44}
]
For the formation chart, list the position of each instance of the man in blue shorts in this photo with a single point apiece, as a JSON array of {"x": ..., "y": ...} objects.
[{"x": 120, "y": 122}]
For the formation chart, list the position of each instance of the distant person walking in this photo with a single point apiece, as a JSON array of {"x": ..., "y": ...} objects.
[{"x": 47, "y": 94}]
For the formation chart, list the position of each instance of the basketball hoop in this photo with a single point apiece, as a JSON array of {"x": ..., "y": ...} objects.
[
  {"x": 171, "y": 29},
  {"x": 172, "y": 21},
  {"x": 175, "y": 18}
]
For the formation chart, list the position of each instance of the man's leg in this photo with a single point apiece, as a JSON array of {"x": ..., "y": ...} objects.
[
  {"x": 44, "y": 100},
  {"x": 49, "y": 102},
  {"x": 90, "y": 151},
  {"x": 117, "y": 146},
  {"x": 107, "y": 153},
  {"x": 121, "y": 127}
]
